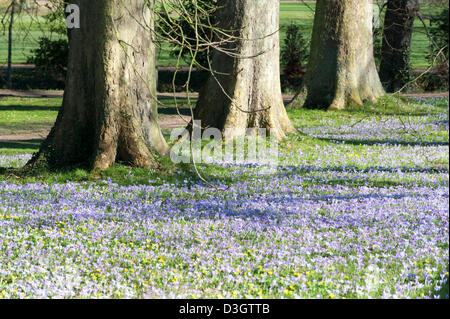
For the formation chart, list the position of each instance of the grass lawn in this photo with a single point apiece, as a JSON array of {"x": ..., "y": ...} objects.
[
  {"x": 357, "y": 207},
  {"x": 26, "y": 33},
  {"x": 28, "y": 30},
  {"x": 19, "y": 115}
]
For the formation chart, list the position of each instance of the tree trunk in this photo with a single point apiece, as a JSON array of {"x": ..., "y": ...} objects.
[
  {"x": 341, "y": 69},
  {"x": 109, "y": 110},
  {"x": 247, "y": 93},
  {"x": 395, "y": 69}
]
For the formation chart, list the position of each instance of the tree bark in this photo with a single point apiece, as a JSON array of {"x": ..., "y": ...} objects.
[
  {"x": 395, "y": 69},
  {"x": 109, "y": 110},
  {"x": 341, "y": 68},
  {"x": 245, "y": 91}
]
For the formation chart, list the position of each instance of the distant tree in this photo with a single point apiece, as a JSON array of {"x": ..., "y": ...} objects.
[
  {"x": 10, "y": 14},
  {"x": 295, "y": 52},
  {"x": 395, "y": 68},
  {"x": 13, "y": 8}
]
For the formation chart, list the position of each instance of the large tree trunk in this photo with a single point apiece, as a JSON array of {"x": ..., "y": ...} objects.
[
  {"x": 109, "y": 110},
  {"x": 395, "y": 69},
  {"x": 246, "y": 91},
  {"x": 341, "y": 69}
]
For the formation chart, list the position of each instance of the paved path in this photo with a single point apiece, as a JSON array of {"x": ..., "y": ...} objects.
[{"x": 31, "y": 94}]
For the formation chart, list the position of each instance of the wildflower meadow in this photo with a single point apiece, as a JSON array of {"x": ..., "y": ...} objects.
[{"x": 357, "y": 207}]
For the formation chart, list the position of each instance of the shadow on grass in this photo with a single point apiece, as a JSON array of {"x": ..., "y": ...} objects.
[
  {"x": 387, "y": 112},
  {"x": 21, "y": 145},
  {"x": 221, "y": 176},
  {"x": 375, "y": 142},
  {"x": 213, "y": 174},
  {"x": 286, "y": 170},
  {"x": 173, "y": 111}
]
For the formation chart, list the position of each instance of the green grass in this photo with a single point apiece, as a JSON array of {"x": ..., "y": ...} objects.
[
  {"x": 299, "y": 12},
  {"x": 27, "y": 115},
  {"x": 420, "y": 45},
  {"x": 18, "y": 115},
  {"x": 28, "y": 30}
]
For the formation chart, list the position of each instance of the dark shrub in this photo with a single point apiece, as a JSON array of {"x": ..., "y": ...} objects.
[
  {"x": 439, "y": 31},
  {"x": 295, "y": 52},
  {"x": 51, "y": 55}
]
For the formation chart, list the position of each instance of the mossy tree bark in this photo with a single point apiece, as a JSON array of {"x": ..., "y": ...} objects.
[
  {"x": 245, "y": 91},
  {"x": 341, "y": 68},
  {"x": 395, "y": 68},
  {"x": 109, "y": 110}
]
